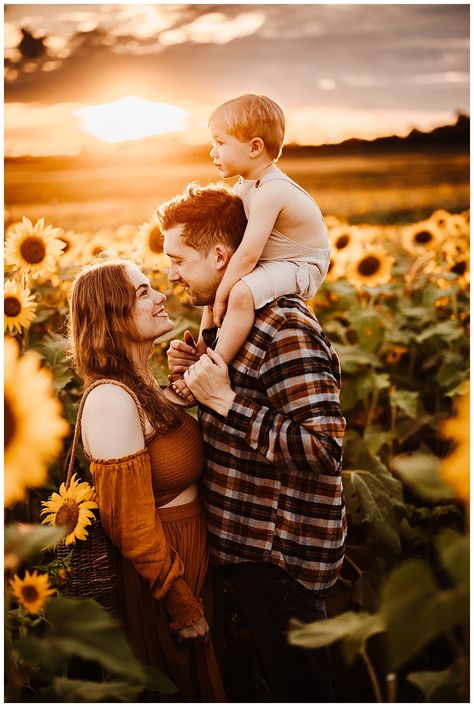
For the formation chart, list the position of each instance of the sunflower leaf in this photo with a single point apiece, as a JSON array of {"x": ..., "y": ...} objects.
[
  {"x": 83, "y": 628},
  {"x": 53, "y": 350},
  {"x": 27, "y": 541},
  {"x": 88, "y": 691}
]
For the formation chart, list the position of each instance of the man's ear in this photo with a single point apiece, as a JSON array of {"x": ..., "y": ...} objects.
[
  {"x": 222, "y": 255},
  {"x": 257, "y": 146}
]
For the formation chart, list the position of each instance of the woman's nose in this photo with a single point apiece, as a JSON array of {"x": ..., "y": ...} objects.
[{"x": 160, "y": 297}]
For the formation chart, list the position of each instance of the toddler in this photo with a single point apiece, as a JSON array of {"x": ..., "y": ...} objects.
[{"x": 285, "y": 247}]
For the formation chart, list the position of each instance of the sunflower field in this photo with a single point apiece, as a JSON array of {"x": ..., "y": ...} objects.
[{"x": 395, "y": 305}]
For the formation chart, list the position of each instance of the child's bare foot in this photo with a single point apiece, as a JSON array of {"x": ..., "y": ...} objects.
[{"x": 179, "y": 394}]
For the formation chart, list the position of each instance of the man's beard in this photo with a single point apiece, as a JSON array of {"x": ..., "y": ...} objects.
[{"x": 202, "y": 298}]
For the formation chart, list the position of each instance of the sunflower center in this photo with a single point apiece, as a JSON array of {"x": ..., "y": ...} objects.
[
  {"x": 155, "y": 241},
  {"x": 33, "y": 250},
  {"x": 67, "y": 245},
  {"x": 460, "y": 268},
  {"x": 9, "y": 423},
  {"x": 68, "y": 515},
  {"x": 11, "y": 306},
  {"x": 423, "y": 237},
  {"x": 369, "y": 266},
  {"x": 29, "y": 593},
  {"x": 342, "y": 242}
]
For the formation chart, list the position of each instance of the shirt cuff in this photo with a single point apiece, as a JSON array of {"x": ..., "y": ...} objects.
[{"x": 246, "y": 420}]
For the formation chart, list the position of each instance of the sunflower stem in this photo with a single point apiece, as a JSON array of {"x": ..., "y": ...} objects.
[{"x": 372, "y": 676}]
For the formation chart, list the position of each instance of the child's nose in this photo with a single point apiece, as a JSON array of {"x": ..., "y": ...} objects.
[{"x": 212, "y": 152}]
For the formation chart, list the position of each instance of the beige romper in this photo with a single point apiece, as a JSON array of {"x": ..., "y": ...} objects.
[{"x": 285, "y": 266}]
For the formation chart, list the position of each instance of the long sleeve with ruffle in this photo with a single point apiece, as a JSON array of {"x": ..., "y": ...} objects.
[{"x": 127, "y": 510}]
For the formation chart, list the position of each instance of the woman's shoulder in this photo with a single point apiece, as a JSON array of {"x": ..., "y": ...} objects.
[{"x": 110, "y": 422}]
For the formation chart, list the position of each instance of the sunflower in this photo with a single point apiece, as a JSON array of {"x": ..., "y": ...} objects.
[
  {"x": 151, "y": 237},
  {"x": 455, "y": 467},
  {"x": 343, "y": 239},
  {"x": 440, "y": 218},
  {"x": 34, "y": 427},
  {"x": 371, "y": 268},
  {"x": 34, "y": 249},
  {"x": 32, "y": 591},
  {"x": 71, "y": 507},
  {"x": 19, "y": 308},
  {"x": 421, "y": 237}
]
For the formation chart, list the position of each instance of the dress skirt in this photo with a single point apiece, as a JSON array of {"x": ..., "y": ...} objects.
[{"x": 193, "y": 669}]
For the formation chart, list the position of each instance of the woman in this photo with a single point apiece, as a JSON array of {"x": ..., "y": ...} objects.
[{"x": 146, "y": 458}]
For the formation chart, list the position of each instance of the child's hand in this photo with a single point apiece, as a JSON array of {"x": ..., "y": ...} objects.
[{"x": 218, "y": 311}]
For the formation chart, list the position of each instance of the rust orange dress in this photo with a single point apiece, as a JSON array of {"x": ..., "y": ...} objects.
[{"x": 163, "y": 556}]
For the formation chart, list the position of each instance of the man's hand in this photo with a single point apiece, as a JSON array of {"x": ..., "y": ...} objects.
[
  {"x": 208, "y": 379},
  {"x": 196, "y": 634},
  {"x": 181, "y": 354}
]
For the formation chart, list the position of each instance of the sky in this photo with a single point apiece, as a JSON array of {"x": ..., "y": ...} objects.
[{"x": 337, "y": 70}]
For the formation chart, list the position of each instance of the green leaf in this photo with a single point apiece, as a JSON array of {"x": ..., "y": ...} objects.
[
  {"x": 53, "y": 350},
  {"x": 350, "y": 628},
  {"x": 450, "y": 685},
  {"x": 374, "y": 501},
  {"x": 375, "y": 437},
  {"x": 369, "y": 328},
  {"x": 416, "y": 611},
  {"x": 85, "y": 629},
  {"x": 421, "y": 472},
  {"x": 87, "y": 691},
  {"x": 455, "y": 555},
  {"x": 448, "y": 330},
  {"x": 353, "y": 358},
  {"x": 405, "y": 400},
  {"x": 27, "y": 541},
  {"x": 370, "y": 382}
]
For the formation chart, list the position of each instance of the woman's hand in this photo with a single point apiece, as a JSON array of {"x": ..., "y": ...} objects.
[
  {"x": 181, "y": 354},
  {"x": 208, "y": 380},
  {"x": 195, "y": 634}
]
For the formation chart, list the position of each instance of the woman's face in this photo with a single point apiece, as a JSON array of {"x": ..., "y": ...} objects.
[{"x": 148, "y": 315}]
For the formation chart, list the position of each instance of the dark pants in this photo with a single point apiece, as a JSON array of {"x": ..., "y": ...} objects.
[{"x": 266, "y": 598}]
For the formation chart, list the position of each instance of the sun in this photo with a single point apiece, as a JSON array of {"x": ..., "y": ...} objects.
[{"x": 131, "y": 118}]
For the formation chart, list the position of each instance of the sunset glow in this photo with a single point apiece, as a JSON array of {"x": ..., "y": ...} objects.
[{"x": 131, "y": 118}]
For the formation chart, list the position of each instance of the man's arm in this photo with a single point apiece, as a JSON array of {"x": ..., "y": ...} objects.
[{"x": 302, "y": 424}]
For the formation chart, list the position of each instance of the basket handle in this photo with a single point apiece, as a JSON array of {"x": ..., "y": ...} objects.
[{"x": 77, "y": 429}]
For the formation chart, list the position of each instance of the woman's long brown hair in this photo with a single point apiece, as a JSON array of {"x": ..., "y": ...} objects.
[{"x": 101, "y": 302}]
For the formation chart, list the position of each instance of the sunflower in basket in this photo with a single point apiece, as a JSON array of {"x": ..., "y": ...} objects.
[{"x": 71, "y": 507}]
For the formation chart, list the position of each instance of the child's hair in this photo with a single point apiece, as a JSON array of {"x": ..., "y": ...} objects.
[{"x": 249, "y": 116}]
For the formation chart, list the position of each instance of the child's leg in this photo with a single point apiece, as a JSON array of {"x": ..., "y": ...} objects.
[{"x": 238, "y": 322}]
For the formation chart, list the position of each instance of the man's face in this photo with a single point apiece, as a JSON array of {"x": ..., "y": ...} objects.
[{"x": 199, "y": 274}]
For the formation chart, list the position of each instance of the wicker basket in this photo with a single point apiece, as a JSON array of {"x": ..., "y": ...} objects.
[
  {"x": 94, "y": 561},
  {"x": 94, "y": 569}
]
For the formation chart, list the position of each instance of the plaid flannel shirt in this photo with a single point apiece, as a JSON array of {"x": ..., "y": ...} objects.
[{"x": 272, "y": 486}]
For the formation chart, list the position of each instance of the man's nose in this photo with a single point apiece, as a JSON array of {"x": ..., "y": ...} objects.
[{"x": 173, "y": 274}]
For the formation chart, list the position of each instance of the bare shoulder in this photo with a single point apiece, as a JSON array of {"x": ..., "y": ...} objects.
[{"x": 110, "y": 423}]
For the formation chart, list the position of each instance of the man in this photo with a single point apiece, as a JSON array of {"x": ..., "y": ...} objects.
[{"x": 273, "y": 431}]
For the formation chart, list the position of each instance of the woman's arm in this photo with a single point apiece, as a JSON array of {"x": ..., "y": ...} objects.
[{"x": 124, "y": 490}]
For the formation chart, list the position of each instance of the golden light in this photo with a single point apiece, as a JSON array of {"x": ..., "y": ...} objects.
[{"x": 131, "y": 118}]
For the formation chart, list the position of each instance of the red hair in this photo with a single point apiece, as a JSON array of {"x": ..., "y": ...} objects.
[
  {"x": 210, "y": 215},
  {"x": 101, "y": 303}
]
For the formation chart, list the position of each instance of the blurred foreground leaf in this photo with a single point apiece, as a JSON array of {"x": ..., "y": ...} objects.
[
  {"x": 23, "y": 542},
  {"x": 421, "y": 472},
  {"x": 350, "y": 628},
  {"x": 444, "y": 685}
]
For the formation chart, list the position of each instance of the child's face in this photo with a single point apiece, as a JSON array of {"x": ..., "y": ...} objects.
[{"x": 230, "y": 155}]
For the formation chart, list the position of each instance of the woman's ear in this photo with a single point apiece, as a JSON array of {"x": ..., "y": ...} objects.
[
  {"x": 222, "y": 256},
  {"x": 257, "y": 146}
]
